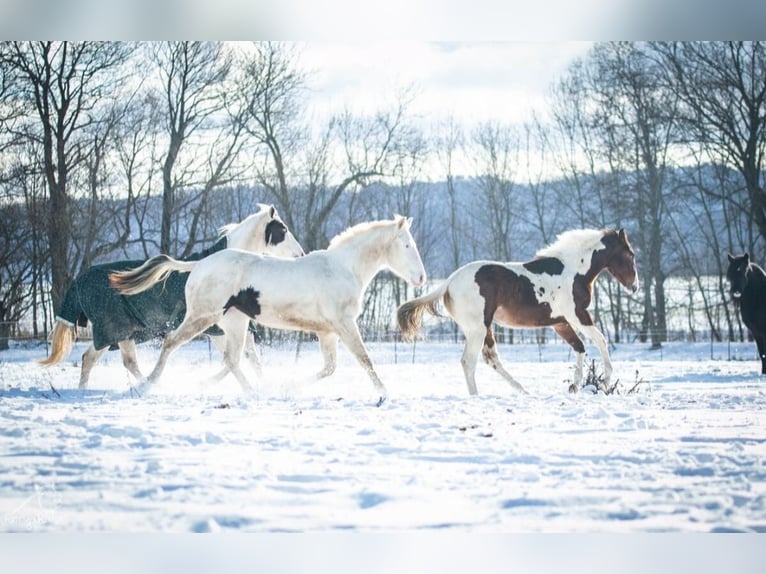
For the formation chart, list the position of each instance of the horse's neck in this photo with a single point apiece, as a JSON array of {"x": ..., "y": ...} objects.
[
  {"x": 597, "y": 265},
  {"x": 363, "y": 256},
  {"x": 238, "y": 238}
]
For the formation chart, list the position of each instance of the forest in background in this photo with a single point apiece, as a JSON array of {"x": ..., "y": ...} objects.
[{"x": 114, "y": 150}]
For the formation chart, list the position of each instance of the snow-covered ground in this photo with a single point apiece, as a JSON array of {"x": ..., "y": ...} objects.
[{"x": 685, "y": 452}]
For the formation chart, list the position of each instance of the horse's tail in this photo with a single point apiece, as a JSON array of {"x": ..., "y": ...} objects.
[
  {"x": 147, "y": 275},
  {"x": 62, "y": 341},
  {"x": 409, "y": 315}
]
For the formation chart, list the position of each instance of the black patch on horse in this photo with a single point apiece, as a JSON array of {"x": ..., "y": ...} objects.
[
  {"x": 245, "y": 301},
  {"x": 549, "y": 265},
  {"x": 276, "y": 231}
]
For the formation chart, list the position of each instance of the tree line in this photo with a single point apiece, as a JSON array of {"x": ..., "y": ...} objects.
[{"x": 113, "y": 150}]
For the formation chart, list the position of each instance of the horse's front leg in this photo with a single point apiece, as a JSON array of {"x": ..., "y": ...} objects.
[
  {"x": 129, "y": 358},
  {"x": 566, "y": 332},
  {"x": 600, "y": 341},
  {"x": 760, "y": 341},
  {"x": 251, "y": 354},
  {"x": 328, "y": 343},
  {"x": 349, "y": 334},
  {"x": 234, "y": 324}
]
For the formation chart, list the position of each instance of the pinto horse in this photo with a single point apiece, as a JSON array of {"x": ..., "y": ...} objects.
[
  {"x": 120, "y": 321},
  {"x": 748, "y": 290},
  {"x": 553, "y": 289},
  {"x": 320, "y": 292}
]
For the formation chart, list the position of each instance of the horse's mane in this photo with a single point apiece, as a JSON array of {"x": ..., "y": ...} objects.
[
  {"x": 571, "y": 244},
  {"x": 352, "y": 232},
  {"x": 226, "y": 229}
]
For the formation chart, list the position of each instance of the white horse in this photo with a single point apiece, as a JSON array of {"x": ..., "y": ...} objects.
[
  {"x": 120, "y": 322},
  {"x": 320, "y": 292},
  {"x": 553, "y": 289}
]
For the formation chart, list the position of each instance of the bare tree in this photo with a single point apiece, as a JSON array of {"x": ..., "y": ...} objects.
[
  {"x": 62, "y": 85},
  {"x": 307, "y": 174},
  {"x": 722, "y": 86},
  {"x": 192, "y": 76},
  {"x": 636, "y": 118},
  {"x": 449, "y": 140},
  {"x": 16, "y": 268},
  {"x": 497, "y": 151}
]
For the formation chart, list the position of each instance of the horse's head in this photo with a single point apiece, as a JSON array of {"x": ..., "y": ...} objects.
[
  {"x": 621, "y": 260},
  {"x": 739, "y": 266},
  {"x": 264, "y": 232},
  {"x": 403, "y": 256}
]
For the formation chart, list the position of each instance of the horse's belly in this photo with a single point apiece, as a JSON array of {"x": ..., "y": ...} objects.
[
  {"x": 525, "y": 316},
  {"x": 291, "y": 320}
]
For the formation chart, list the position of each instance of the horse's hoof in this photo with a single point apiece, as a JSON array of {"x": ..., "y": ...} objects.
[
  {"x": 140, "y": 389},
  {"x": 573, "y": 388},
  {"x": 381, "y": 399}
]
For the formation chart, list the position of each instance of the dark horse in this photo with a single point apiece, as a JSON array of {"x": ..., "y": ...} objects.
[
  {"x": 748, "y": 290},
  {"x": 120, "y": 321}
]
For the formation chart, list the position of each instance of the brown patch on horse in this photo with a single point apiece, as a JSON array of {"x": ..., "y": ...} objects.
[
  {"x": 566, "y": 332},
  {"x": 509, "y": 298},
  {"x": 549, "y": 265}
]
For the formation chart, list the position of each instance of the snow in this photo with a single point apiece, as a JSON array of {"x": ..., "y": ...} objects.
[{"x": 685, "y": 452}]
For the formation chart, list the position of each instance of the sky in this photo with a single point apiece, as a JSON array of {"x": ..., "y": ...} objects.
[{"x": 471, "y": 81}]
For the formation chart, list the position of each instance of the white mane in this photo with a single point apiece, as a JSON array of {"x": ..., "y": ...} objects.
[
  {"x": 571, "y": 245},
  {"x": 359, "y": 229}
]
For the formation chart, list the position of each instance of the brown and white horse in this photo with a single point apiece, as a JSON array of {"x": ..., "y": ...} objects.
[
  {"x": 554, "y": 289},
  {"x": 320, "y": 292}
]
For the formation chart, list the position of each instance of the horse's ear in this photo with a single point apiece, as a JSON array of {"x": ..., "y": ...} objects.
[
  {"x": 730, "y": 256},
  {"x": 747, "y": 258},
  {"x": 621, "y": 234},
  {"x": 272, "y": 211},
  {"x": 401, "y": 221}
]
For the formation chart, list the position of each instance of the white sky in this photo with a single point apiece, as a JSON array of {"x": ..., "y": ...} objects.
[
  {"x": 471, "y": 82},
  {"x": 500, "y": 81}
]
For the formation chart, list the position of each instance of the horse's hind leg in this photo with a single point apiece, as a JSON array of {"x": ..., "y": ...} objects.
[
  {"x": 184, "y": 333},
  {"x": 492, "y": 358},
  {"x": 129, "y": 359},
  {"x": 89, "y": 359},
  {"x": 567, "y": 333},
  {"x": 474, "y": 340}
]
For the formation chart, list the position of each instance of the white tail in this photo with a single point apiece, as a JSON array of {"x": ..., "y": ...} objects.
[{"x": 147, "y": 275}]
